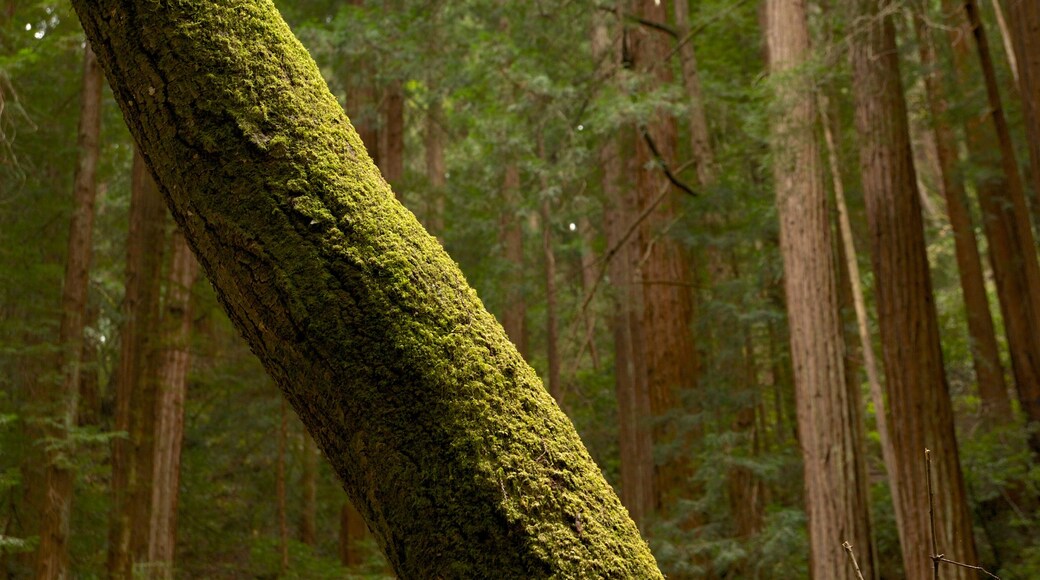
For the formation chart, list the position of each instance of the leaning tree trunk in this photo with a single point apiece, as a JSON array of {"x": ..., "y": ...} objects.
[
  {"x": 828, "y": 411},
  {"x": 918, "y": 395},
  {"x": 454, "y": 453}
]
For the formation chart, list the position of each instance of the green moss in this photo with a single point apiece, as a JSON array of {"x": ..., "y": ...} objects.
[{"x": 458, "y": 458}]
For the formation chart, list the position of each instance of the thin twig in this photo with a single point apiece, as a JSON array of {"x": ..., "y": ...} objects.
[
  {"x": 936, "y": 556},
  {"x": 852, "y": 556},
  {"x": 664, "y": 165}
]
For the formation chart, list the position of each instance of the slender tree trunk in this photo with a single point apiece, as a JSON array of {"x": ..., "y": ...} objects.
[
  {"x": 985, "y": 353},
  {"x": 134, "y": 379},
  {"x": 919, "y": 402},
  {"x": 588, "y": 266},
  {"x": 392, "y": 135},
  {"x": 435, "y": 169},
  {"x": 1005, "y": 217},
  {"x": 552, "y": 324},
  {"x": 283, "y": 516},
  {"x": 511, "y": 236},
  {"x": 1025, "y": 34},
  {"x": 828, "y": 413},
  {"x": 309, "y": 487},
  {"x": 667, "y": 299},
  {"x": 437, "y": 428},
  {"x": 174, "y": 363},
  {"x": 635, "y": 441},
  {"x": 700, "y": 140},
  {"x": 351, "y": 533},
  {"x": 62, "y": 400}
]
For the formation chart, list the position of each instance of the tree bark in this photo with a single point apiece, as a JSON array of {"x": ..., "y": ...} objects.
[
  {"x": 134, "y": 377},
  {"x": 1005, "y": 217},
  {"x": 62, "y": 400},
  {"x": 309, "y": 487},
  {"x": 511, "y": 236},
  {"x": 828, "y": 412},
  {"x": 662, "y": 263},
  {"x": 635, "y": 443},
  {"x": 440, "y": 432},
  {"x": 1025, "y": 34},
  {"x": 700, "y": 140},
  {"x": 989, "y": 372},
  {"x": 551, "y": 317},
  {"x": 174, "y": 363},
  {"x": 392, "y": 134},
  {"x": 919, "y": 402}
]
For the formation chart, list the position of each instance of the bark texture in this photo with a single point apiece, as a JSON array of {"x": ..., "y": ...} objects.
[
  {"x": 174, "y": 363},
  {"x": 1005, "y": 217},
  {"x": 827, "y": 410},
  {"x": 445, "y": 440},
  {"x": 662, "y": 265},
  {"x": 52, "y": 555},
  {"x": 985, "y": 354},
  {"x": 1024, "y": 18},
  {"x": 135, "y": 377},
  {"x": 919, "y": 404}
]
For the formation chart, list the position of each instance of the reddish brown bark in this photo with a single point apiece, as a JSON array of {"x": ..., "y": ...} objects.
[
  {"x": 392, "y": 134},
  {"x": 62, "y": 400},
  {"x": 174, "y": 356},
  {"x": 351, "y": 532},
  {"x": 829, "y": 429},
  {"x": 511, "y": 236},
  {"x": 1024, "y": 18},
  {"x": 635, "y": 440},
  {"x": 1005, "y": 217},
  {"x": 985, "y": 353},
  {"x": 135, "y": 377},
  {"x": 663, "y": 267},
  {"x": 919, "y": 405}
]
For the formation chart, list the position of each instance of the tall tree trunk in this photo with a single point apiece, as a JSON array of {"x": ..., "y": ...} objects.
[
  {"x": 309, "y": 487},
  {"x": 511, "y": 236},
  {"x": 438, "y": 429},
  {"x": 280, "y": 493},
  {"x": 1005, "y": 217},
  {"x": 700, "y": 140},
  {"x": 351, "y": 533},
  {"x": 174, "y": 363},
  {"x": 667, "y": 300},
  {"x": 134, "y": 379},
  {"x": 985, "y": 354},
  {"x": 828, "y": 413},
  {"x": 62, "y": 400},
  {"x": 635, "y": 441},
  {"x": 588, "y": 284},
  {"x": 551, "y": 322},
  {"x": 392, "y": 135},
  {"x": 1025, "y": 34},
  {"x": 433, "y": 139},
  {"x": 919, "y": 402}
]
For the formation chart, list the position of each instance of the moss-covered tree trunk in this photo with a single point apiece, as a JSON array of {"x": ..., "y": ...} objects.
[{"x": 454, "y": 453}]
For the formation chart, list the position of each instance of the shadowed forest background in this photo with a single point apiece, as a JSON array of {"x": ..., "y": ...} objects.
[{"x": 762, "y": 253}]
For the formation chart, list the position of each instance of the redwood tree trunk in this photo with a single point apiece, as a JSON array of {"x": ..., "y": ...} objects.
[
  {"x": 511, "y": 236},
  {"x": 174, "y": 363},
  {"x": 635, "y": 443},
  {"x": 828, "y": 412},
  {"x": 134, "y": 377},
  {"x": 1004, "y": 215},
  {"x": 985, "y": 353},
  {"x": 1024, "y": 18},
  {"x": 439, "y": 431},
  {"x": 919, "y": 404},
  {"x": 663, "y": 266},
  {"x": 62, "y": 400}
]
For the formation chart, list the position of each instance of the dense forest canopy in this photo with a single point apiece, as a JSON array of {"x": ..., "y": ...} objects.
[{"x": 761, "y": 253}]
